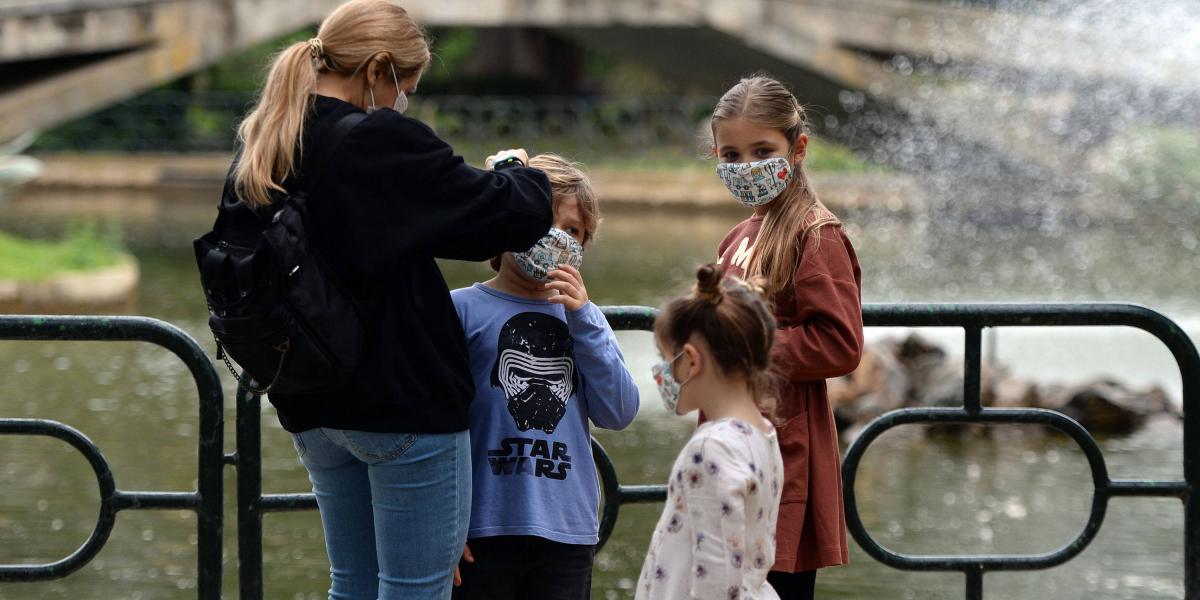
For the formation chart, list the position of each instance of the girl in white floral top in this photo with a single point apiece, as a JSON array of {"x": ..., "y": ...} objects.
[{"x": 716, "y": 537}]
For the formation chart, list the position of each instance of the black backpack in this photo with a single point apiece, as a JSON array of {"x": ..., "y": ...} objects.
[{"x": 274, "y": 306}]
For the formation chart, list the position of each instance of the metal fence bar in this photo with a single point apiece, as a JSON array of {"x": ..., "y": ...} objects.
[
  {"x": 206, "y": 501},
  {"x": 108, "y": 508},
  {"x": 972, "y": 318},
  {"x": 249, "y": 492}
]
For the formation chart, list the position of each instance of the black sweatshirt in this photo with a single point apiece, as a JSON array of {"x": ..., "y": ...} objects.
[{"x": 391, "y": 199}]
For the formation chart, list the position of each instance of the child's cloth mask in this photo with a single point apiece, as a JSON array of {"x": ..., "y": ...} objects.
[
  {"x": 756, "y": 183},
  {"x": 556, "y": 248},
  {"x": 668, "y": 387}
]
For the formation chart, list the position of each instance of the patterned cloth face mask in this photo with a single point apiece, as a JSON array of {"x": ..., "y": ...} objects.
[
  {"x": 668, "y": 388},
  {"x": 756, "y": 183},
  {"x": 556, "y": 248}
]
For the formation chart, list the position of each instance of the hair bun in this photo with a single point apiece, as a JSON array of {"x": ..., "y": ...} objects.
[{"x": 708, "y": 284}]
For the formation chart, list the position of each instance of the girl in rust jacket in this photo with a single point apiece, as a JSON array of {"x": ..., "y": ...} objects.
[{"x": 811, "y": 273}]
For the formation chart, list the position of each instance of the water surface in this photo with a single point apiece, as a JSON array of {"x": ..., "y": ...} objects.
[{"x": 1012, "y": 491}]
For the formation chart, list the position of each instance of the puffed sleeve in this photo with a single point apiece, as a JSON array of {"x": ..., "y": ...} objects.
[{"x": 716, "y": 483}]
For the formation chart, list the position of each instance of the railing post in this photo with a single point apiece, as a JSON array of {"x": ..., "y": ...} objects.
[
  {"x": 249, "y": 494},
  {"x": 972, "y": 361}
]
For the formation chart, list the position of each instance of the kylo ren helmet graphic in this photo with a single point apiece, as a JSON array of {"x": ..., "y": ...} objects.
[{"x": 535, "y": 366}]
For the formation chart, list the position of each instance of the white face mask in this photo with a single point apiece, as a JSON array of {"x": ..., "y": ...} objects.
[
  {"x": 756, "y": 183},
  {"x": 401, "y": 103}
]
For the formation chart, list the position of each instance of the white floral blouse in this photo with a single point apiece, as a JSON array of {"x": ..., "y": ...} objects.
[{"x": 716, "y": 537}]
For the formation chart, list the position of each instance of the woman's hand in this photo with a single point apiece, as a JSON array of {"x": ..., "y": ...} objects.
[
  {"x": 467, "y": 557},
  {"x": 503, "y": 154},
  {"x": 572, "y": 294}
]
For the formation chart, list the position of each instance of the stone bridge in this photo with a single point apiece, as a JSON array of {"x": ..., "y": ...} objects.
[{"x": 62, "y": 59}]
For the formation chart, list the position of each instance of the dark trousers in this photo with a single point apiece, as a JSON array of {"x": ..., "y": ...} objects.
[
  {"x": 524, "y": 567},
  {"x": 793, "y": 586}
]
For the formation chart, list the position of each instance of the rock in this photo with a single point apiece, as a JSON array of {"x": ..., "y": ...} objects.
[
  {"x": 101, "y": 290},
  {"x": 1010, "y": 392},
  {"x": 914, "y": 372},
  {"x": 934, "y": 381},
  {"x": 1107, "y": 406},
  {"x": 879, "y": 384}
]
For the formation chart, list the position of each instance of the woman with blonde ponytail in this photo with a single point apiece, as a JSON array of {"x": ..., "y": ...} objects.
[
  {"x": 811, "y": 273},
  {"x": 388, "y": 452}
]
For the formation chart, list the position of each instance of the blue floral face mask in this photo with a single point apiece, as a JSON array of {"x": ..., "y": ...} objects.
[
  {"x": 557, "y": 247},
  {"x": 668, "y": 388},
  {"x": 756, "y": 183}
]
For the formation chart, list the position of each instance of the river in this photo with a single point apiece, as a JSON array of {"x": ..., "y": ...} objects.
[{"x": 1014, "y": 491}]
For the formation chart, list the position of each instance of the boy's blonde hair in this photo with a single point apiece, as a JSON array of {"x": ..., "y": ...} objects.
[{"x": 568, "y": 179}]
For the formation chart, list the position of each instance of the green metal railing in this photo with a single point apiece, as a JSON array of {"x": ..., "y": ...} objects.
[
  {"x": 971, "y": 318},
  {"x": 205, "y": 500}
]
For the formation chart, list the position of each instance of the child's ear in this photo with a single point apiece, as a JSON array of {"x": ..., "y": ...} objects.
[
  {"x": 694, "y": 359},
  {"x": 800, "y": 149},
  {"x": 714, "y": 151}
]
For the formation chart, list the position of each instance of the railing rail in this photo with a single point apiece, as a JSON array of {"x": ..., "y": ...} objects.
[
  {"x": 971, "y": 318},
  {"x": 206, "y": 500}
]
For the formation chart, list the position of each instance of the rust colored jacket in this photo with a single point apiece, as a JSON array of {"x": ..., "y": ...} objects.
[{"x": 820, "y": 335}]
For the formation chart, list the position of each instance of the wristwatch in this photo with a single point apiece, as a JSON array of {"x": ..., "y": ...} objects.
[{"x": 511, "y": 160}]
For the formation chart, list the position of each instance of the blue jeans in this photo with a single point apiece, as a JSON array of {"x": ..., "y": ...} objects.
[{"x": 395, "y": 508}]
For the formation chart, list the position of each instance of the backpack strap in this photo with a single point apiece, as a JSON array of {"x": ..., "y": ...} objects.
[{"x": 333, "y": 139}]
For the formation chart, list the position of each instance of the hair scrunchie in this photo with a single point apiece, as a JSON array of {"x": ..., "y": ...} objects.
[{"x": 316, "y": 48}]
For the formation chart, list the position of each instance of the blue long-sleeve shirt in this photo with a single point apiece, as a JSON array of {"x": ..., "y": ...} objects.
[{"x": 541, "y": 373}]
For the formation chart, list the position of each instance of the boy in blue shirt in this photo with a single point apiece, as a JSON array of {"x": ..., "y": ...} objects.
[{"x": 545, "y": 362}]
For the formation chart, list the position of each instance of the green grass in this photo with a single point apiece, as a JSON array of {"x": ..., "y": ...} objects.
[{"x": 83, "y": 248}]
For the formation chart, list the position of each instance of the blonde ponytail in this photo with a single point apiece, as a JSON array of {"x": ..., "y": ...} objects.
[
  {"x": 270, "y": 135},
  {"x": 353, "y": 35}
]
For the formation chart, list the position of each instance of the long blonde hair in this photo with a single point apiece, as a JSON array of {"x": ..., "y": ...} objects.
[
  {"x": 349, "y": 39},
  {"x": 764, "y": 101}
]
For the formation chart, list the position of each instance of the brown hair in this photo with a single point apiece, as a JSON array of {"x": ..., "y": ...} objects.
[
  {"x": 352, "y": 36},
  {"x": 568, "y": 179},
  {"x": 767, "y": 102},
  {"x": 735, "y": 320}
]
